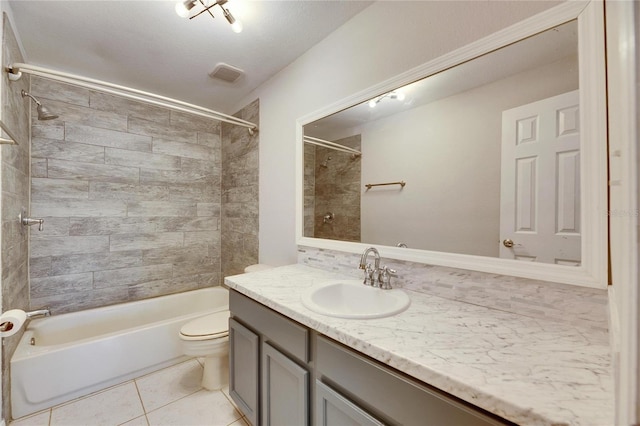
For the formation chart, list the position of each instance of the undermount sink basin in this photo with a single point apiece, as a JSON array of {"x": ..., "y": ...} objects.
[{"x": 352, "y": 299}]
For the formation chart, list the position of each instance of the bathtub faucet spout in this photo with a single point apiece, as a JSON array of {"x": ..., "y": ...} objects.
[{"x": 45, "y": 312}]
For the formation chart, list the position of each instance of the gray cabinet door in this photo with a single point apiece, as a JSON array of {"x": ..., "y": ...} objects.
[
  {"x": 333, "y": 409},
  {"x": 285, "y": 390},
  {"x": 244, "y": 363}
]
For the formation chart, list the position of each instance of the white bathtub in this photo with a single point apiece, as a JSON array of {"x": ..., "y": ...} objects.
[{"x": 82, "y": 352}]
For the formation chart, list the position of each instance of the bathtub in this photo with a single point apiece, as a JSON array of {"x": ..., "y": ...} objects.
[{"x": 82, "y": 352}]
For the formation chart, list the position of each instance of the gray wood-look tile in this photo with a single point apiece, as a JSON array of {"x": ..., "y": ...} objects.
[
  {"x": 86, "y": 116},
  {"x": 58, "y": 91},
  {"x": 194, "y": 122},
  {"x": 51, "y": 286},
  {"x": 40, "y": 267},
  {"x": 59, "y": 169},
  {"x": 162, "y": 287},
  {"x": 106, "y": 137},
  {"x": 209, "y": 139},
  {"x": 208, "y": 192},
  {"x": 59, "y": 246},
  {"x": 106, "y": 102},
  {"x": 208, "y": 209},
  {"x": 184, "y": 177},
  {"x": 207, "y": 237},
  {"x": 52, "y": 189},
  {"x": 161, "y": 130},
  {"x": 127, "y": 192},
  {"x": 145, "y": 241},
  {"x": 52, "y": 227},
  {"x": 182, "y": 149},
  {"x": 55, "y": 132},
  {"x": 123, "y": 157},
  {"x": 172, "y": 224},
  {"x": 173, "y": 254},
  {"x": 110, "y": 225},
  {"x": 88, "y": 262},
  {"x": 49, "y": 148},
  {"x": 77, "y": 208},
  {"x": 161, "y": 208},
  {"x": 127, "y": 276},
  {"x": 39, "y": 167}
]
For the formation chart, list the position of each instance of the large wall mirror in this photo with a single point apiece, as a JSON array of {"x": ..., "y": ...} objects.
[{"x": 491, "y": 158}]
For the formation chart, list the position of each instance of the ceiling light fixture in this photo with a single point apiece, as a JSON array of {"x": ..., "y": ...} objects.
[
  {"x": 391, "y": 95},
  {"x": 183, "y": 9}
]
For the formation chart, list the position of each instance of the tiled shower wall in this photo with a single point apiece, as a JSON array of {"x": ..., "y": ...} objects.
[
  {"x": 15, "y": 194},
  {"x": 332, "y": 185},
  {"x": 130, "y": 196},
  {"x": 240, "y": 193}
]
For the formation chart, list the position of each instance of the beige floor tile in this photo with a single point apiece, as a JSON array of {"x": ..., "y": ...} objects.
[
  {"x": 110, "y": 407},
  {"x": 39, "y": 419},
  {"x": 241, "y": 422},
  {"x": 170, "y": 384},
  {"x": 225, "y": 390},
  {"x": 210, "y": 408},
  {"x": 138, "y": 421}
]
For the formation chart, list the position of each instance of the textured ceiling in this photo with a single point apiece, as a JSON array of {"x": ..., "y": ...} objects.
[{"x": 145, "y": 45}]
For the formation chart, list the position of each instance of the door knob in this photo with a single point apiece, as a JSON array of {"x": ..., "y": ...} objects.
[{"x": 508, "y": 243}]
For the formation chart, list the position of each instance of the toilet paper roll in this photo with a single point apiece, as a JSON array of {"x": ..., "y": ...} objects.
[{"x": 11, "y": 322}]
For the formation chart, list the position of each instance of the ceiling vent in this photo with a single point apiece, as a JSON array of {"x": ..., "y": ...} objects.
[{"x": 226, "y": 73}]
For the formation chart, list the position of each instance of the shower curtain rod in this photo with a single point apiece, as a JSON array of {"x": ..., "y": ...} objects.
[
  {"x": 15, "y": 72},
  {"x": 330, "y": 145}
]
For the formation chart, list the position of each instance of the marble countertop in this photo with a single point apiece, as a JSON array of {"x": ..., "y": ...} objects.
[{"x": 529, "y": 371}]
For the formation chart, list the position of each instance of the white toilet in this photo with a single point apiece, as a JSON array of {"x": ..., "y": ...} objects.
[{"x": 208, "y": 337}]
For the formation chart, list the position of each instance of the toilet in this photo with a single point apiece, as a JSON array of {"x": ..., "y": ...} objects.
[{"x": 208, "y": 337}]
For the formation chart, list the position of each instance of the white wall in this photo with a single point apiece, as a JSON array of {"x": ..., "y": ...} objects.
[
  {"x": 385, "y": 39},
  {"x": 623, "y": 74}
]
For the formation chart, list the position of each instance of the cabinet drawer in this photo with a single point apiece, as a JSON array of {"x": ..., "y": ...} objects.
[
  {"x": 288, "y": 335},
  {"x": 390, "y": 396}
]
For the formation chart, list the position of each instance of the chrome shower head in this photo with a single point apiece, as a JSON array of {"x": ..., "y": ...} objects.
[{"x": 43, "y": 111}]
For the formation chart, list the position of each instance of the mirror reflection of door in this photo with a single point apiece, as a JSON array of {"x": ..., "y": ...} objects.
[{"x": 540, "y": 181}]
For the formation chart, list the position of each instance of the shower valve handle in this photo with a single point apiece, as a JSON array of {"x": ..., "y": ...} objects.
[{"x": 27, "y": 221}]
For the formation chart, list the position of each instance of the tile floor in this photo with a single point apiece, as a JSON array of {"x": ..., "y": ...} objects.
[{"x": 171, "y": 396}]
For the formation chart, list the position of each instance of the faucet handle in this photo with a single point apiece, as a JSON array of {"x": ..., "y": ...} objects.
[
  {"x": 385, "y": 277},
  {"x": 369, "y": 272}
]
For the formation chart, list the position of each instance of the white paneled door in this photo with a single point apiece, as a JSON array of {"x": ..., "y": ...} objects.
[{"x": 540, "y": 181}]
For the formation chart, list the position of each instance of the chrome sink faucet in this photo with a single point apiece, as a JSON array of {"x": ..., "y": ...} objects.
[
  {"x": 375, "y": 275},
  {"x": 370, "y": 273}
]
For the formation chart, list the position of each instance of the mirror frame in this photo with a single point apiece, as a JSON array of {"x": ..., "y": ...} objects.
[{"x": 593, "y": 271}]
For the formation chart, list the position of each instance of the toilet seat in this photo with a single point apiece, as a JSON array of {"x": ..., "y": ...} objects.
[{"x": 208, "y": 327}]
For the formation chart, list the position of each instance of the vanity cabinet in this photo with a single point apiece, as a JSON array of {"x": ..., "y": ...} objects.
[
  {"x": 366, "y": 390},
  {"x": 269, "y": 378},
  {"x": 283, "y": 373},
  {"x": 333, "y": 409}
]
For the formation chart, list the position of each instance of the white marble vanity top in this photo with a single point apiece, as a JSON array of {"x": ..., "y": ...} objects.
[{"x": 526, "y": 370}]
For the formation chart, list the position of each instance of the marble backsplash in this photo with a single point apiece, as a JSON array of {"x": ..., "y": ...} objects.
[{"x": 582, "y": 306}]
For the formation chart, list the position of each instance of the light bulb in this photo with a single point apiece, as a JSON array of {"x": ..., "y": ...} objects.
[
  {"x": 236, "y": 26},
  {"x": 184, "y": 7},
  {"x": 400, "y": 96},
  {"x": 372, "y": 103}
]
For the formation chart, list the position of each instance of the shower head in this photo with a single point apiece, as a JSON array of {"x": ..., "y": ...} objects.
[{"x": 43, "y": 111}]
